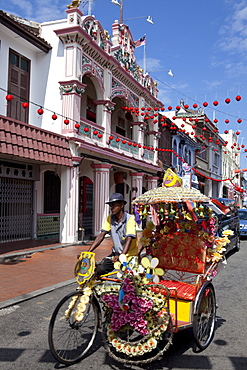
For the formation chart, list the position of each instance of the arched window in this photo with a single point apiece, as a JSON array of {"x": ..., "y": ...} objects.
[{"x": 52, "y": 189}]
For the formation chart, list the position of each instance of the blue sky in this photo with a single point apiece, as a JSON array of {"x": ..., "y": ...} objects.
[{"x": 203, "y": 42}]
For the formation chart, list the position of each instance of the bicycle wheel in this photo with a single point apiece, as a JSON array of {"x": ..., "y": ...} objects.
[
  {"x": 132, "y": 337},
  {"x": 71, "y": 332},
  {"x": 204, "y": 316}
]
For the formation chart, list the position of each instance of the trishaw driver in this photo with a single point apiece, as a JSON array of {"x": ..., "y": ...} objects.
[{"x": 122, "y": 228}]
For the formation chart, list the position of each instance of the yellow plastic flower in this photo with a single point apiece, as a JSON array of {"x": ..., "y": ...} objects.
[
  {"x": 227, "y": 232},
  {"x": 152, "y": 272},
  {"x": 216, "y": 257}
]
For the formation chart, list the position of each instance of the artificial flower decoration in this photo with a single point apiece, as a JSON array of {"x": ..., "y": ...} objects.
[
  {"x": 152, "y": 271},
  {"x": 125, "y": 264}
]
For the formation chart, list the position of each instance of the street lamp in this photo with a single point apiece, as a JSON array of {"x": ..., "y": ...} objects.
[
  {"x": 170, "y": 73},
  {"x": 120, "y": 3},
  {"x": 149, "y": 19}
]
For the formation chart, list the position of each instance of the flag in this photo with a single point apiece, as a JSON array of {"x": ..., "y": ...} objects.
[
  {"x": 171, "y": 179},
  {"x": 140, "y": 42}
]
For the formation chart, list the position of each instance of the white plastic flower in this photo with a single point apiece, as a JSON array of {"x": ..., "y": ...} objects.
[{"x": 152, "y": 272}]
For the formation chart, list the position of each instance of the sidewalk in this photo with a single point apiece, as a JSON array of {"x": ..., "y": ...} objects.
[{"x": 39, "y": 268}]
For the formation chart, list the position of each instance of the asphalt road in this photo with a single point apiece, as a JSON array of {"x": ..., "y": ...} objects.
[{"x": 24, "y": 328}]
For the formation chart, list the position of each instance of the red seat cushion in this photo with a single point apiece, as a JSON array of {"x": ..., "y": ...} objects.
[{"x": 184, "y": 290}]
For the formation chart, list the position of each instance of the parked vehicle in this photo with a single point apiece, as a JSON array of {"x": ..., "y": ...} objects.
[
  {"x": 229, "y": 220},
  {"x": 243, "y": 221}
]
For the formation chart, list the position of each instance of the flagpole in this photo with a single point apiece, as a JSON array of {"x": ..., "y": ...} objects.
[{"x": 144, "y": 56}]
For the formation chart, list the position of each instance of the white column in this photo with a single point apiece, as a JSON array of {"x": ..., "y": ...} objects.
[
  {"x": 137, "y": 181},
  {"x": 152, "y": 182},
  {"x": 101, "y": 194},
  {"x": 69, "y": 205}
]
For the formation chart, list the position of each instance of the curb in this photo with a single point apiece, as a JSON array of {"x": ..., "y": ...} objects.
[
  {"x": 13, "y": 256},
  {"x": 35, "y": 293}
]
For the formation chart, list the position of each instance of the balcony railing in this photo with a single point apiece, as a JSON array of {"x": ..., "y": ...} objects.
[{"x": 119, "y": 143}]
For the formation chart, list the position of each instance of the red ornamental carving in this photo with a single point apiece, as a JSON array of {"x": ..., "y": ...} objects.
[
  {"x": 86, "y": 129},
  {"x": 215, "y": 103},
  {"x": 40, "y": 111},
  {"x": 54, "y": 117},
  {"x": 205, "y": 104},
  {"x": 239, "y": 120},
  {"x": 227, "y": 100},
  {"x": 238, "y": 98},
  {"x": 66, "y": 121},
  {"x": 195, "y": 105},
  {"x": 9, "y": 97},
  {"x": 77, "y": 125},
  {"x": 25, "y": 105}
]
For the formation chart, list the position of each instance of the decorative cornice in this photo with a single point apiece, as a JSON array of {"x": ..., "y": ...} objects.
[{"x": 72, "y": 87}]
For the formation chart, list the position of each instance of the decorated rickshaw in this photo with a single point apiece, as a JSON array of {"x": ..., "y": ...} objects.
[{"x": 167, "y": 288}]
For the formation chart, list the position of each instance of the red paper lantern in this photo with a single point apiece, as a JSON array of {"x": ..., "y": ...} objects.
[
  {"x": 86, "y": 129},
  {"x": 155, "y": 108},
  {"x": 204, "y": 128},
  {"x": 77, "y": 125},
  {"x": 177, "y": 107},
  {"x": 111, "y": 138},
  {"x": 237, "y": 132},
  {"x": 9, "y": 97},
  {"x": 54, "y": 117},
  {"x": 239, "y": 120},
  {"x": 129, "y": 143},
  {"x": 186, "y": 106},
  {"x": 238, "y": 98},
  {"x": 162, "y": 108},
  {"x": 40, "y": 111},
  {"x": 227, "y": 121},
  {"x": 139, "y": 146},
  {"x": 205, "y": 104},
  {"x": 95, "y": 132},
  {"x": 117, "y": 139},
  {"x": 25, "y": 105},
  {"x": 227, "y": 100},
  {"x": 226, "y": 131},
  {"x": 169, "y": 108},
  {"x": 195, "y": 105},
  {"x": 242, "y": 146},
  {"x": 215, "y": 103},
  {"x": 215, "y": 120},
  {"x": 123, "y": 141},
  {"x": 66, "y": 121},
  {"x": 215, "y": 130},
  {"x": 100, "y": 136},
  {"x": 142, "y": 108},
  {"x": 182, "y": 125}
]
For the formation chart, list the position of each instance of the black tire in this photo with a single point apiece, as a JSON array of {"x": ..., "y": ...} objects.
[
  {"x": 133, "y": 336},
  {"x": 69, "y": 339},
  {"x": 204, "y": 316},
  {"x": 237, "y": 246}
]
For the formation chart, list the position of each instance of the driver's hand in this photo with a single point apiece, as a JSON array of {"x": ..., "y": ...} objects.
[{"x": 115, "y": 259}]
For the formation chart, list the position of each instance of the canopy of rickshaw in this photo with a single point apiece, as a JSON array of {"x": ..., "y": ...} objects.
[{"x": 165, "y": 194}]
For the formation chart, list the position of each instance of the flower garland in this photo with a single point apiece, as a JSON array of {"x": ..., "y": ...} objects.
[
  {"x": 136, "y": 307},
  {"x": 81, "y": 307}
]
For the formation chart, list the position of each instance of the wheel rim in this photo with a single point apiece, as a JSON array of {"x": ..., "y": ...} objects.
[
  {"x": 70, "y": 339},
  {"x": 204, "y": 320}
]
